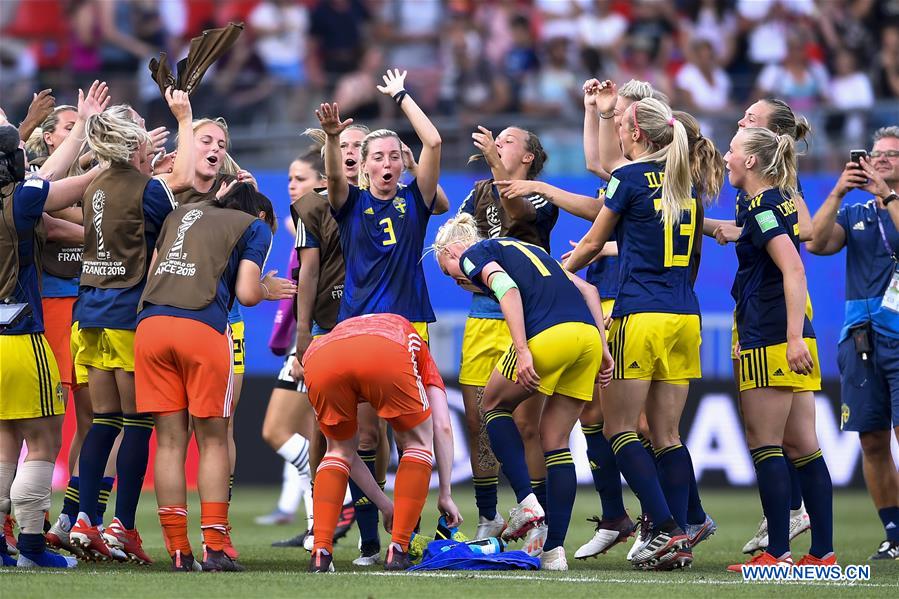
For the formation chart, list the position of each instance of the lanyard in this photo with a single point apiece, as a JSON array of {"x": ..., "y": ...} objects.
[{"x": 883, "y": 237}]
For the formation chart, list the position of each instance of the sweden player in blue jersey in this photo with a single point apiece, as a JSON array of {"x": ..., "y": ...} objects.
[
  {"x": 655, "y": 333},
  {"x": 778, "y": 356},
  {"x": 558, "y": 348}
]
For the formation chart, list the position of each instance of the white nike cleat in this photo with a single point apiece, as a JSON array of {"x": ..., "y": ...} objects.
[
  {"x": 523, "y": 517},
  {"x": 554, "y": 559},
  {"x": 534, "y": 540},
  {"x": 490, "y": 528}
]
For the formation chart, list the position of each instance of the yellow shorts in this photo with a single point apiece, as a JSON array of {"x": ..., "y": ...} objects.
[
  {"x": 607, "y": 305},
  {"x": 106, "y": 349},
  {"x": 238, "y": 366},
  {"x": 422, "y": 329},
  {"x": 567, "y": 357},
  {"x": 483, "y": 344},
  {"x": 76, "y": 343},
  {"x": 767, "y": 367},
  {"x": 29, "y": 378},
  {"x": 653, "y": 346}
]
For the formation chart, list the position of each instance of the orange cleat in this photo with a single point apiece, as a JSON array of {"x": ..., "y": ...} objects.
[
  {"x": 762, "y": 559},
  {"x": 128, "y": 542},
  {"x": 228, "y": 547},
  {"x": 89, "y": 541},
  {"x": 810, "y": 560}
]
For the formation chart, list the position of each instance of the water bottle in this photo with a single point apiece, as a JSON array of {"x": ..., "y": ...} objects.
[
  {"x": 487, "y": 546},
  {"x": 444, "y": 531}
]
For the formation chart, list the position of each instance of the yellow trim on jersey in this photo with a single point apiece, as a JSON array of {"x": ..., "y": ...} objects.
[
  {"x": 238, "y": 341},
  {"x": 106, "y": 349},
  {"x": 29, "y": 378},
  {"x": 484, "y": 342},
  {"x": 654, "y": 346},
  {"x": 567, "y": 357},
  {"x": 767, "y": 366}
]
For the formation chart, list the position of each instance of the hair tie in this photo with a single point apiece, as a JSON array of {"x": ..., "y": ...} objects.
[{"x": 671, "y": 122}]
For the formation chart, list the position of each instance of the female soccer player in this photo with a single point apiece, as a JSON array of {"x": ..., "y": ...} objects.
[
  {"x": 119, "y": 238},
  {"x": 32, "y": 404},
  {"x": 209, "y": 253},
  {"x": 558, "y": 348},
  {"x": 655, "y": 331},
  {"x": 515, "y": 154},
  {"x": 778, "y": 355},
  {"x": 380, "y": 359}
]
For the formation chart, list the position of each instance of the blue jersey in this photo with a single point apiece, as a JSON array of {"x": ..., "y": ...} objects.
[
  {"x": 28, "y": 206},
  {"x": 117, "y": 308},
  {"x": 547, "y": 293},
  {"x": 758, "y": 287},
  {"x": 52, "y": 286},
  {"x": 869, "y": 267},
  {"x": 655, "y": 260},
  {"x": 382, "y": 243},
  {"x": 742, "y": 204},
  {"x": 253, "y": 246}
]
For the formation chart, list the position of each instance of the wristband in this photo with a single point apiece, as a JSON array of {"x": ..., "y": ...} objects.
[
  {"x": 398, "y": 98},
  {"x": 265, "y": 290},
  {"x": 602, "y": 115},
  {"x": 893, "y": 196}
]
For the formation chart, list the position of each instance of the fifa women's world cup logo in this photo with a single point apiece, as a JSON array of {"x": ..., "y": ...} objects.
[
  {"x": 97, "y": 203},
  {"x": 187, "y": 222}
]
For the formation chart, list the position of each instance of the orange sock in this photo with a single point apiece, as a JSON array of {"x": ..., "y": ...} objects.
[
  {"x": 410, "y": 491},
  {"x": 327, "y": 501},
  {"x": 214, "y": 522},
  {"x": 173, "y": 519}
]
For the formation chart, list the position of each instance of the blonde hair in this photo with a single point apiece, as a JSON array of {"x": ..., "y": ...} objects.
[
  {"x": 36, "y": 145},
  {"x": 667, "y": 143},
  {"x": 220, "y": 122},
  {"x": 113, "y": 135},
  {"x": 636, "y": 90},
  {"x": 459, "y": 229},
  {"x": 706, "y": 162},
  {"x": 376, "y": 134},
  {"x": 776, "y": 156}
]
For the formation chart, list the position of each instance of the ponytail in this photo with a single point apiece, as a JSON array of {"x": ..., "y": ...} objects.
[
  {"x": 114, "y": 138},
  {"x": 245, "y": 198},
  {"x": 706, "y": 162},
  {"x": 776, "y": 156}
]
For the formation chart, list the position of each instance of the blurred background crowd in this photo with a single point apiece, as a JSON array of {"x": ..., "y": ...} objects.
[{"x": 489, "y": 62}]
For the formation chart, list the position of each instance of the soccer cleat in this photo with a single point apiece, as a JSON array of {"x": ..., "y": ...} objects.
[
  {"x": 89, "y": 541},
  {"x": 417, "y": 546},
  {"x": 127, "y": 542},
  {"x": 397, "y": 559},
  {"x": 218, "y": 561},
  {"x": 58, "y": 536},
  {"x": 321, "y": 561},
  {"x": 276, "y": 518},
  {"x": 347, "y": 517},
  {"x": 659, "y": 546},
  {"x": 761, "y": 536},
  {"x": 608, "y": 534},
  {"x": 297, "y": 541},
  {"x": 762, "y": 559},
  {"x": 810, "y": 560},
  {"x": 534, "y": 540},
  {"x": 675, "y": 559},
  {"x": 700, "y": 532},
  {"x": 887, "y": 550},
  {"x": 523, "y": 517},
  {"x": 369, "y": 554},
  {"x": 9, "y": 533},
  {"x": 554, "y": 559},
  {"x": 644, "y": 523},
  {"x": 45, "y": 559},
  {"x": 799, "y": 523},
  {"x": 309, "y": 541},
  {"x": 5, "y": 558},
  {"x": 490, "y": 528},
  {"x": 228, "y": 548},
  {"x": 185, "y": 562}
]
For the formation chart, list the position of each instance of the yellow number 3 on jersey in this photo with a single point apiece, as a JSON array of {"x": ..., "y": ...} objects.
[{"x": 388, "y": 228}]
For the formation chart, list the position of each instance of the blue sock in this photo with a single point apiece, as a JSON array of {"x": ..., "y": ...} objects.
[
  {"x": 539, "y": 486},
  {"x": 485, "y": 495},
  {"x": 505, "y": 440},
  {"x": 695, "y": 512},
  {"x": 673, "y": 465},
  {"x": 92, "y": 460},
  {"x": 366, "y": 511},
  {"x": 561, "y": 487},
  {"x": 817, "y": 489},
  {"x": 774, "y": 491},
  {"x": 105, "y": 489},
  {"x": 131, "y": 466},
  {"x": 606, "y": 477},
  {"x": 890, "y": 518},
  {"x": 639, "y": 471},
  {"x": 70, "y": 500},
  {"x": 795, "y": 487},
  {"x": 30, "y": 544}
]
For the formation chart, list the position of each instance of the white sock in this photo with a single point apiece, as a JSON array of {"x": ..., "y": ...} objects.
[
  {"x": 296, "y": 451},
  {"x": 30, "y": 494},
  {"x": 291, "y": 490},
  {"x": 7, "y": 474},
  {"x": 307, "y": 502}
]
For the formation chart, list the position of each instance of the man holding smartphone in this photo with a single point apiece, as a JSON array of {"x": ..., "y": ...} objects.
[{"x": 869, "y": 341}]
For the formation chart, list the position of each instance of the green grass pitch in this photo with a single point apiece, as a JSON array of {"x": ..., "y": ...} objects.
[{"x": 281, "y": 572}]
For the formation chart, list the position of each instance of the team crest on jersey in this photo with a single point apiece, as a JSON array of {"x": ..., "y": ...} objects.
[
  {"x": 844, "y": 416},
  {"x": 98, "y": 202},
  {"x": 493, "y": 221},
  {"x": 176, "y": 261},
  {"x": 400, "y": 205},
  {"x": 105, "y": 265}
]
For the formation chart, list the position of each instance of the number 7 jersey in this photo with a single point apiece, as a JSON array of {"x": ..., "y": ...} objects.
[
  {"x": 382, "y": 243},
  {"x": 655, "y": 259}
]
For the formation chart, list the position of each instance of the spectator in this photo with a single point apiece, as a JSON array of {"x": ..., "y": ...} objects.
[
  {"x": 600, "y": 30},
  {"x": 800, "y": 82},
  {"x": 494, "y": 19},
  {"x": 638, "y": 64},
  {"x": 555, "y": 89},
  {"x": 653, "y": 26},
  {"x": 887, "y": 70},
  {"x": 279, "y": 27},
  {"x": 557, "y": 18},
  {"x": 851, "y": 93},
  {"x": 767, "y": 23},
  {"x": 356, "y": 93},
  {"x": 702, "y": 84},
  {"x": 842, "y": 25},
  {"x": 337, "y": 41},
  {"x": 470, "y": 85},
  {"x": 521, "y": 62},
  {"x": 241, "y": 87},
  {"x": 713, "y": 21},
  {"x": 122, "y": 52}
]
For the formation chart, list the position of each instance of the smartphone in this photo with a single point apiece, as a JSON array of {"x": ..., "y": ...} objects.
[{"x": 856, "y": 155}]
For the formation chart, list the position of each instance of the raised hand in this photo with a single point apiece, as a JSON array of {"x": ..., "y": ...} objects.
[
  {"x": 94, "y": 101},
  {"x": 591, "y": 86},
  {"x": 606, "y": 96},
  {"x": 42, "y": 104},
  {"x": 223, "y": 191},
  {"x": 394, "y": 82},
  {"x": 517, "y": 188},
  {"x": 158, "y": 137},
  {"x": 329, "y": 117},
  {"x": 409, "y": 162},
  {"x": 179, "y": 104},
  {"x": 876, "y": 184},
  {"x": 483, "y": 141}
]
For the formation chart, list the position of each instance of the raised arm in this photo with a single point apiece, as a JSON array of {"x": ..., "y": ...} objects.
[
  {"x": 586, "y": 207},
  {"x": 516, "y": 206},
  {"x": 183, "y": 170},
  {"x": 42, "y": 104},
  {"x": 592, "y": 243},
  {"x": 429, "y": 160},
  {"x": 63, "y": 231},
  {"x": 610, "y": 155},
  {"x": 338, "y": 188},
  {"x": 827, "y": 236},
  {"x": 57, "y": 164},
  {"x": 591, "y": 130},
  {"x": 67, "y": 192},
  {"x": 787, "y": 259}
]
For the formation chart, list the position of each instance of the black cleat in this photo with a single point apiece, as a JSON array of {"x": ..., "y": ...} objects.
[
  {"x": 217, "y": 561},
  {"x": 347, "y": 517},
  {"x": 296, "y": 541},
  {"x": 887, "y": 550},
  {"x": 397, "y": 559},
  {"x": 185, "y": 563},
  {"x": 321, "y": 562}
]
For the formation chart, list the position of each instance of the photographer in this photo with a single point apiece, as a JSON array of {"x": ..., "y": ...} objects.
[{"x": 869, "y": 341}]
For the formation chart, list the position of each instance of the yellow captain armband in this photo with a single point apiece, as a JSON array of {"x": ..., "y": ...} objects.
[{"x": 501, "y": 283}]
